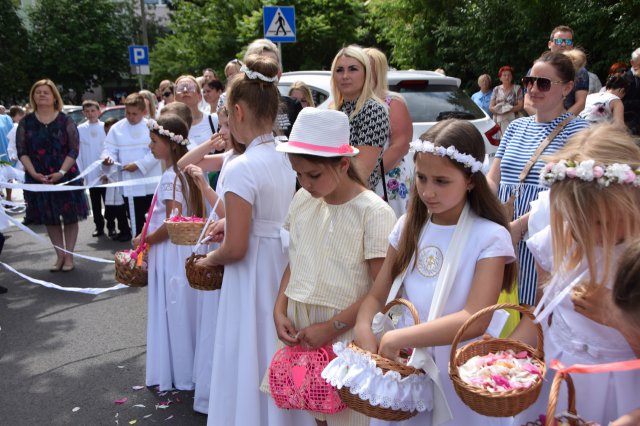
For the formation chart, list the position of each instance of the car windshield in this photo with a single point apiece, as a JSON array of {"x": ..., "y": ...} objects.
[{"x": 431, "y": 102}]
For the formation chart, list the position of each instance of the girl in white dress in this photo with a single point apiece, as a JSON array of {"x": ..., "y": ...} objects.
[
  {"x": 594, "y": 209},
  {"x": 196, "y": 163},
  {"x": 450, "y": 191},
  {"x": 338, "y": 231},
  {"x": 258, "y": 189},
  {"x": 171, "y": 320}
]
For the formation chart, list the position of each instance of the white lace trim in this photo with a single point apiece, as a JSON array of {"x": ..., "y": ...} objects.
[{"x": 359, "y": 373}]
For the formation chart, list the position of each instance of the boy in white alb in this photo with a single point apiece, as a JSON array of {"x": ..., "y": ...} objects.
[
  {"x": 128, "y": 144},
  {"x": 91, "y": 145}
]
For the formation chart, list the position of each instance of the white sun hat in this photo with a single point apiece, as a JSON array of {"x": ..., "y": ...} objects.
[{"x": 319, "y": 132}]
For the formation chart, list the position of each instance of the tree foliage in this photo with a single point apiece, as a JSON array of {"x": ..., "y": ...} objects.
[
  {"x": 14, "y": 56},
  {"x": 471, "y": 37},
  {"x": 79, "y": 43}
]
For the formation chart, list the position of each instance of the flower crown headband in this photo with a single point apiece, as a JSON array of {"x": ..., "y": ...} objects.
[
  {"x": 154, "y": 126},
  {"x": 252, "y": 75},
  {"x": 467, "y": 160},
  {"x": 588, "y": 171}
]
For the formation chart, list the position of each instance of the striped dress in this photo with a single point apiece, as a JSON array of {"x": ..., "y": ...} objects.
[{"x": 520, "y": 141}]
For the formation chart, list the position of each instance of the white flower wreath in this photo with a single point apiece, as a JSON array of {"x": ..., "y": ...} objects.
[
  {"x": 588, "y": 171},
  {"x": 155, "y": 127},
  {"x": 467, "y": 160}
]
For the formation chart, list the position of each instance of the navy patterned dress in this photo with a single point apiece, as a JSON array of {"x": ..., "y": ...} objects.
[{"x": 47, "y": 146}]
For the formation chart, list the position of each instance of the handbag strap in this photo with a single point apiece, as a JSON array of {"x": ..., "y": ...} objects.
[
  {"x": 384, "y": 181},
  {"x": 543, "y": 145}
]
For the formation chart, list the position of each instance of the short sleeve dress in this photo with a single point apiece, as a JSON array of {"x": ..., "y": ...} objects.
[
  {"x": 517, "y": 146},
  {"x": 370, "y": 127},
  {"x": 47, "y": 145}
]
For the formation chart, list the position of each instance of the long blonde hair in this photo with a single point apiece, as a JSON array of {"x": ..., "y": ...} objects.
[
  {"x": 359, "y": 55},
  {"x": 577, "y": 206}
]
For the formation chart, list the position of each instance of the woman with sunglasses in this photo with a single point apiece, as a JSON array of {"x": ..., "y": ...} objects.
[
  {"x": 168, "y": 94},
  {"x": 202, "y": 126},
  {"x": 507, "y": 99},
  {"x": 516, "y": 168}
]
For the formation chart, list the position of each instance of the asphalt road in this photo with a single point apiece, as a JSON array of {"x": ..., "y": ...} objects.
[{"x": 66, "y": 357}]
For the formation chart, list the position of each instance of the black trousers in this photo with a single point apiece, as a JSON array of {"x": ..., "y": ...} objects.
[
  {"x": 140, "y": 207},
  {"x": 96, "y": 195},
  {"x": 119, "y": 213}
]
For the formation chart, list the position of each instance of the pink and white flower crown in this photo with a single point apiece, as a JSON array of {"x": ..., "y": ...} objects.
[
  {"x": 467, "y": 160},
  {"x": 155, "y": 127},
  {"x": 588, "y": 171}
]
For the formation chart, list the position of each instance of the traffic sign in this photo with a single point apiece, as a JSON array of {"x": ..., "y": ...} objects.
[
  {"x": 279, "y": 23},
  {"x": 138, "y": 55}
]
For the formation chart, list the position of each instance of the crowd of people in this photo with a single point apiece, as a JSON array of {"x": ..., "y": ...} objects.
[{"x": 314, "y": 240}]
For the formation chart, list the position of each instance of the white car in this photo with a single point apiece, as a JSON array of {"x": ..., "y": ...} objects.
[{"x": 430, "y": 97}]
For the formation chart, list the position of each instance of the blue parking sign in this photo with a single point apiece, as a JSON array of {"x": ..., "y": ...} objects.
[
  {"x": 279, "y": 23},
  {"x": 138, "y": 55}
]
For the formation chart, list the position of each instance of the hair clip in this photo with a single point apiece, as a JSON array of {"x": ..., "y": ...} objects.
[{"x": 252, "y": 75}]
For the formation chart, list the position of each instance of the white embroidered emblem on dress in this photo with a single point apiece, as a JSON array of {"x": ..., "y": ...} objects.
[{"x": 430, "y": 261}]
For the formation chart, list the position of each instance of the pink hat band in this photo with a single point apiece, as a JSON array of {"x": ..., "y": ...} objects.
[{"x": 342, "y": 149}]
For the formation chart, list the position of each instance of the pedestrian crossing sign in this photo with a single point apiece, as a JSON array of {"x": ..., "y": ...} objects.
[{"x": 279, "y": 23}]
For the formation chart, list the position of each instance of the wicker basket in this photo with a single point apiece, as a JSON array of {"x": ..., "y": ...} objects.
[
  {"x": 135, "y": 276},
  {"x": 201, "y": 277},
  {"x": 125, "y": 274},
  {"x": 363, "y": 406},
  {"x": 495, "y": 404},
  {"x": 183, "y": 233}
]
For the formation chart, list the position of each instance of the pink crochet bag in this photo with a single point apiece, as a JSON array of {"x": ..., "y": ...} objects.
[{"x": 295, "y": 381}]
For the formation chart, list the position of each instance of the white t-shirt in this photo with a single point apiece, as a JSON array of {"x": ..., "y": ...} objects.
[
  {"x": 92, "y": 138},
  {"x": 597, "y": 107},
  {"x": 202, "y": 132},
  {"x": 126, "y": 144},
  {"x": 486, "y": 240}
]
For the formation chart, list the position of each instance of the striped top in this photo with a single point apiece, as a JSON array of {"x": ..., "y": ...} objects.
[
  {"x": 520, "y": 141},
  {"x": 330, "y": 244}
]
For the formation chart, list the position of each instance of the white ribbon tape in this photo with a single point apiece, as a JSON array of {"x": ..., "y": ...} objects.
[
  {"x": 40, "y": 187},
  {"x": 93, "y": 291},
  {"x": 4, "y": 216}
]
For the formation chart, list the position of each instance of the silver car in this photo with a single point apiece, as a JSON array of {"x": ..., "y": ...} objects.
[{"x": 430, "y": 97}]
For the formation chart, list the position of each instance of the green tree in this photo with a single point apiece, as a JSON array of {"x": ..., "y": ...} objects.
[
  {"x": 14, "y": 55},
  {"x": 80, "y": 43},
  {"x": 322, "y": 28},
  {"x": 204, "y": 34}
]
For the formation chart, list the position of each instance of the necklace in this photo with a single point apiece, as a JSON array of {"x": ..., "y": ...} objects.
[{"x": 50, "y": 118}]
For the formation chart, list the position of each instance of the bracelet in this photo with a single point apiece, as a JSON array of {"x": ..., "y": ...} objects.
[{"x": 62, "y": 172}]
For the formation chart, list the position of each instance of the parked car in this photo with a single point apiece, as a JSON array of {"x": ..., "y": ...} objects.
[
  {"x": 114, "y": 111},
  {"x": 75, "y": 112},
  {"x": 430, "y": 97}
]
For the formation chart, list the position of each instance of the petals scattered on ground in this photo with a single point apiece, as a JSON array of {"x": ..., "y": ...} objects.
[
  {"x": 75, "y": 409},
  {"x": 169, "y": 418},
  {"x": 121, "y": 401},
  {"x": 140, "y": 405},
  {"x": 137, "y": 387}
]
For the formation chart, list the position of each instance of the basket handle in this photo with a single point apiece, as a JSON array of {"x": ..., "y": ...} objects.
[
  {"x": 143, "y": 235},
  {"x": 526, "y": 310},
  {"x": 553, "y": 398},
  {"x": 407, "y": 304}
]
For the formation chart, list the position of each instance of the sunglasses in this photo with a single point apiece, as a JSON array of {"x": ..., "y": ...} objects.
[
  {"x": 166, "y": 94},
  {"x": 186, "y": 88},
  {"x": 543, "y": 83},
  {"x": 566, "y": 41}
]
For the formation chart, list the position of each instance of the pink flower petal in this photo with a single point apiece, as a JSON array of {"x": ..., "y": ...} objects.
[
  {"x": 522, "y": 355},
  {"x": 121, "y": 401}
]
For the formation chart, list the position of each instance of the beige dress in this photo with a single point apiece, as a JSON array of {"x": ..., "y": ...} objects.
[{"x": 328, "y": 252}]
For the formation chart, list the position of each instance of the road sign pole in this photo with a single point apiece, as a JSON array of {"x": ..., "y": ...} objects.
[{"x": 280, "y": 56}]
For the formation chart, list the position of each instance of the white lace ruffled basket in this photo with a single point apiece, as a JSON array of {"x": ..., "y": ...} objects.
[{"x": 376, "y": 386}]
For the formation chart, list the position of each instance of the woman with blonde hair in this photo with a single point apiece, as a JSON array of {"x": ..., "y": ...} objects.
[
  {"x": 301, "y": 92},
  {"x": 352, "y": 89},
  {"x": 48, "y": 145},
  {"x": 394, "y": 188},
  {"x": 150, "y": 103},
  {"x": 188, "y": 92}
]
